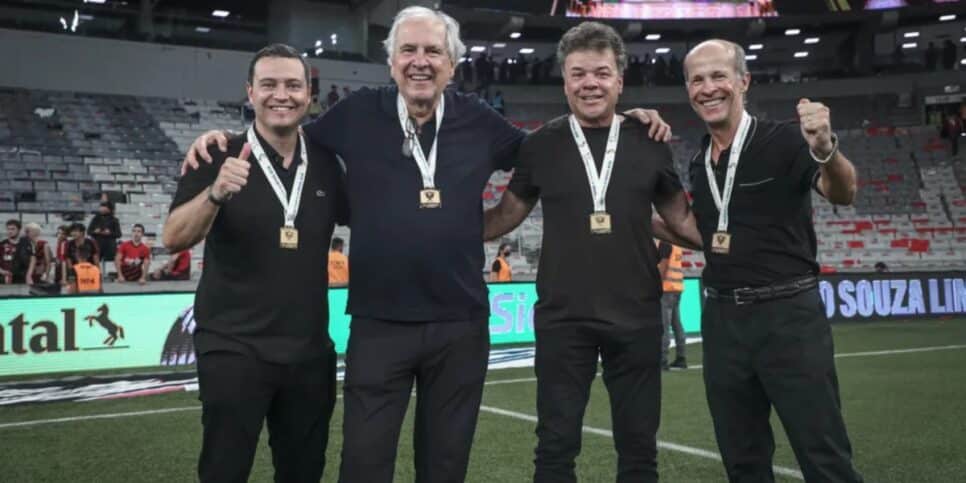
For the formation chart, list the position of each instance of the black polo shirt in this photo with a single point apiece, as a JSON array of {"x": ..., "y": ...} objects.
[
  {"x": 596, "y": 278},
  {"x": 409, "y": 263},
  {"x": 772, "y": 237},
  {"x": 254, "y": 295}
]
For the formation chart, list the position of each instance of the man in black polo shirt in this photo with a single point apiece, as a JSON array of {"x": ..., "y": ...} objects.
[
  {"x": 599, "y": 290},
  {"x": 766, "y": 339},
  {"x": 417, "y": 297},
  {"x": 266, "y": 213}
]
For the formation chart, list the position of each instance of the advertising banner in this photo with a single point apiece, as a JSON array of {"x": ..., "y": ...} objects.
[
  {"x": 886, "y": 296},
  {"x": 86, "y": 333}
]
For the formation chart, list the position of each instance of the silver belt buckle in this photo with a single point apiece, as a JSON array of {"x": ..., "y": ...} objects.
[{"x": 736, "y": 294}]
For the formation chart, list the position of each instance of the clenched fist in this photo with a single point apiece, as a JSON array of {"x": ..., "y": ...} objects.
[
  {"x": 233, "y": 175},
  {"x": 816, "y": 127}
]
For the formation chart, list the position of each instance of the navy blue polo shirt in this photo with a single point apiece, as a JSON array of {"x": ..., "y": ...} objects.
[{"x": 410, "y": 263}]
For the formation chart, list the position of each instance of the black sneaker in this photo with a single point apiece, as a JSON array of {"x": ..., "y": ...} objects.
[{"x": 679, "y": 363}]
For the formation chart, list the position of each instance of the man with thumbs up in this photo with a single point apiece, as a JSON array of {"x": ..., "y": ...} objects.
[
  {"x": 266, "y": 211},
  {"x": 767, "y": 342}
]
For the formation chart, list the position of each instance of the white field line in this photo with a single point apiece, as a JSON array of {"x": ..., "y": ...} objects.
[
  {"x": 887, "y": 352},
  {"x": 37, "y": 422},
  {"x": 680, "y": 448}
]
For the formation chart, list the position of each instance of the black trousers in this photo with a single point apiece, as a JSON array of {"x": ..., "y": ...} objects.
[
  {"x": 238, "y": 392},
  {"x": 447, "y": 361},
  {"x": 776, "y": 353},
  {"x": 566, "y": 363}
]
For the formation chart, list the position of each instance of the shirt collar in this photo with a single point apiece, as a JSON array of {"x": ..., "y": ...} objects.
[
  {"x": 277, "y": 159},
  {"x": 388, "y": 104},
  {"x": 706, "y": 139}
]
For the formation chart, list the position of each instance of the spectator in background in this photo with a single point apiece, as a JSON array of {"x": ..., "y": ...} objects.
[
  {"x": 949, "y": 55},
  {"x": 501, "y": 271},
  {"x": 497, "y": 103},
  {"x": 77, "y": 241},
  {"x": 346, "y": 91},
  {"x": 932, "y": 57},
  {"x": 105, "y": 229},
  {"x": 13, "y": 249},
  {"x": 133, "y": 258},
  {"x": 85, "y": 277},
  {"x": 898, "y": 58},
  {"x": 177, "y": 268},
  {"x": 338, "y": 263},
  {"x": 672, "y": 276},
  {"x": 952, "y": 129},
  {"x": 660, "y": 71},
  {"x": 333, "y": 97},
  {"x": 60, "y": 270},
  {"x": 315, "y": 109},
  {"x": 41, "y": 258},
  {"x": 881, "y": 267}
]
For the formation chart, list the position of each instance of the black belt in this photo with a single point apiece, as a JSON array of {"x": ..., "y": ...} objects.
[{"x": 750, "y": 295}]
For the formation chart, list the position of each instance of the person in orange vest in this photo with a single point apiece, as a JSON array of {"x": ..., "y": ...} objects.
[
  {"x": 669, "y": 265},
  {"x": 338, "y": 263},
  {"x": 86, "y": 276},
  {"x": 501, "y": 271}
]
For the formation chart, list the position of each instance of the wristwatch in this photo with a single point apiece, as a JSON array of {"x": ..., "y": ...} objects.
[
  {"x": 212, "y": 199},
  {"x": 835, "y": 149}
]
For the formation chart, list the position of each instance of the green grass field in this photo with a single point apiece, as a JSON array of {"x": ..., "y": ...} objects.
[{"x": 905, "y": 412}]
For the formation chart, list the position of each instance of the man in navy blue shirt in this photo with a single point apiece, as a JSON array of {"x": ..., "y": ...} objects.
[{"x": 417, "y": 295}]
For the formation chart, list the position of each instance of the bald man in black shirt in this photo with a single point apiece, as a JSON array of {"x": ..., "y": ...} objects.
[{"x": 766, "y": 340}]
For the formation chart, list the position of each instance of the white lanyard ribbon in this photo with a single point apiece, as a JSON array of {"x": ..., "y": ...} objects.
[
  {"x": 290, "y": 207},
  {"x": 427, "y": 166},
  {"x": 723, "y": 200},
  {"x": 598, "y": 182}
]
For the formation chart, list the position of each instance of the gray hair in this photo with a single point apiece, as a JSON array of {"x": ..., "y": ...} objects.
[
  {"x": 454, "y": 46},
  {"x": 32, "y": 226},
  {"x": 737, "y": 51},
  {"x": 592, "y": 36}
]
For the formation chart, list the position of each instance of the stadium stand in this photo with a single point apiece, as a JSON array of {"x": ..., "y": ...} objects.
[{"x": 61, "y": 150}]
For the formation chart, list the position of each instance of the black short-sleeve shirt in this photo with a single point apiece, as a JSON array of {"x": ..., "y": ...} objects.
[
  {"x": 410, "y": 263},
  {"x": 596, "y": 278},
  {"x": 772, "y": 237},
  {"x": 254, "y": 295}
]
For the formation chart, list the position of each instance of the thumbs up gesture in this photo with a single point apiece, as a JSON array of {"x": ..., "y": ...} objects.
[
  {"x": 816, "y": 126},
  {"x": 233, "y": 175}
]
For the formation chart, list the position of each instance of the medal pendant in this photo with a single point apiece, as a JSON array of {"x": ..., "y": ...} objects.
[
  {"x": 288, "y": 238},
  {"x": 430, "y": 198},
  {"x": 721, "y": 243},
  {"x": 600, "y": 223}
]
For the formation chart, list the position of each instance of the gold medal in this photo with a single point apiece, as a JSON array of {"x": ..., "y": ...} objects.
[
  {"x": 289, "y": 238},
  {"x": 721, "y": 243},
  {"x": 430, "y": 198},
  {"x": 600, "y": 223}
]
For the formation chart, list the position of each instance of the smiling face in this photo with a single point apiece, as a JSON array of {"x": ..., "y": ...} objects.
[
  {"x": 420, "y": 63},
  {"x": 279, "y": 94},
  {"x": 716, "y": 89},
  {"x": 592, "y": 84}
]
